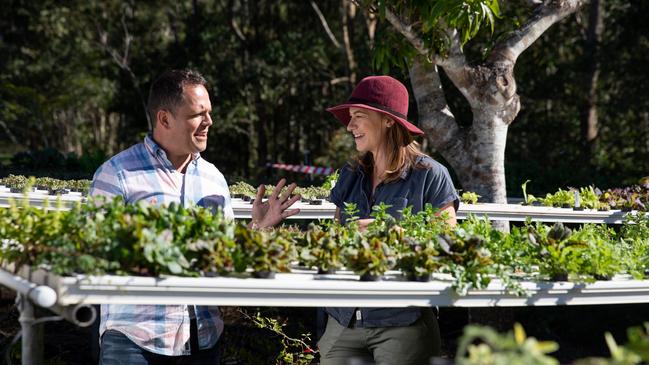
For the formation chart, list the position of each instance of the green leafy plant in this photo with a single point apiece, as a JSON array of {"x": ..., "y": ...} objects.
[
  {"x": 295, "y": 351},
  {"x": 469, "y": 197},
  {"x": 266, "y": 252},
  {"x": 527, "y": 198},
  {"x": 562, "y": 198},
  {"x": 589, "y": 198},
  {"x": 372, "y": 254},
  {"x": 330, "y": 181},
  {"x": 241, "y": 189},
  {"x": 484, "y": 346},
  {"x": 321, "y": 247}
]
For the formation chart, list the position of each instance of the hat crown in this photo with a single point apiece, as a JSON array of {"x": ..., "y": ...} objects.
[{"x": 383, "y": 91}]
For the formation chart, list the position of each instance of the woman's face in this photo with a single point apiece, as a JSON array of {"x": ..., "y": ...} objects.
[{"x": 369, "y": 129}]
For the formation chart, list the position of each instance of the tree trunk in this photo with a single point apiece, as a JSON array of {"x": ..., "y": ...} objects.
[
  {"x": 476, "y": 153},
  {"x": 483, "y": 169},
  {"x": 589, "y": 119}
]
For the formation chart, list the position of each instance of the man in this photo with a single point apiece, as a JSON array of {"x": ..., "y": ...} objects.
[{"x": 167, "y": 167}]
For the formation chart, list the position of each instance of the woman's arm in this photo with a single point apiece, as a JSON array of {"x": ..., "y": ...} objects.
[
  {"x": 362, "y": 223},
  {"x": 450, "y": 209}
]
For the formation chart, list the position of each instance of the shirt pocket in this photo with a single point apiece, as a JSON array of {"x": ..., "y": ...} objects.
[{"x": 396, "y": 206}]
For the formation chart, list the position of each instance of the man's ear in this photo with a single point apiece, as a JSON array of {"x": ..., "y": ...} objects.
[{"x": 163, "y": 119}]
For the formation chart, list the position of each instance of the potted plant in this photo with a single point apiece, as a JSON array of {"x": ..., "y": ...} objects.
[
  {"x": 369, "y": 257},
  {"x": 373, "y": 252},
  {"x": 211, "y": 249},
  {"x": 321, "y": 248},
  {"x": 266, "y": 252},
  {"x": 242, "y": 190},
  {"x": 419, "y": 259}
]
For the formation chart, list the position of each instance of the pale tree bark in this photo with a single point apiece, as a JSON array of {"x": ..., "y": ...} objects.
[
  {"x": 476, "y": 153},
  {"x": 589, "y": 117},
  {"x": 371, "y": 20},
  {"x": 347, "y": 13}
]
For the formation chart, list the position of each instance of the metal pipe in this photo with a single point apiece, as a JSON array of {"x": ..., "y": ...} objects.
[
  {"x": 40, "y": 295},
  {"x": 32, "y": 334},
  {"x": 82, "y": 315}
]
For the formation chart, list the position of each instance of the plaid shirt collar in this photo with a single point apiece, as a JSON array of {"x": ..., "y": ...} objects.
[{"x": 154, "y": 149}]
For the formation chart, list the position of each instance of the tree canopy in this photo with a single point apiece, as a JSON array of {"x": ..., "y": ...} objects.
[{"x": 75, "y": 75}]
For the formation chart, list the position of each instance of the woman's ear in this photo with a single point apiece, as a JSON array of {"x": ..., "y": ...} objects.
[{"x": 388, "y": 122}]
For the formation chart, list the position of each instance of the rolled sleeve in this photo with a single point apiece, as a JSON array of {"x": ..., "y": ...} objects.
[{"x": 440, "y": 190}]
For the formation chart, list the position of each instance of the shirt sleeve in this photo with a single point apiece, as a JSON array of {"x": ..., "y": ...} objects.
[
  {"x": 440, "y": 190},
  {"x": 337, "y": 194},
  {"x": 107, "y": 182}
]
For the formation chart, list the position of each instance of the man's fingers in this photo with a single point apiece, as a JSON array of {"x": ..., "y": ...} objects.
[
  {"x": 278, "y": 188},
  {"x": 260, "y": 193},
  {"x": 292, "y": 200},
  {"x": 289, "y": 212},
  {"x": 288, "y": 192}
]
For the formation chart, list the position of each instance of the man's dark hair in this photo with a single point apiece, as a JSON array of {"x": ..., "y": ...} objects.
[{"x": 167, "y": 90}]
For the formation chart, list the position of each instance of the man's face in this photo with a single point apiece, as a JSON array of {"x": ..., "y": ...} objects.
[{"x": 191, "y": 120}]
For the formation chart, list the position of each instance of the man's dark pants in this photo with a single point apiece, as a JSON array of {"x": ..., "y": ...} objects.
[{"x": 117, "y": 349}]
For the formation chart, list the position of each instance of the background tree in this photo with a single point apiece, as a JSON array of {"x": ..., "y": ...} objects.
[
  {"x": 437, "y": 32},
  {"x": 273, "y": 73}
]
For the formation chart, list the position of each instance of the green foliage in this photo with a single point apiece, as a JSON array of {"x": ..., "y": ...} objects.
[
  {"x": 138, "y": 239},
  {"x": 19, "y": 182},
  {"x": 331, "y": 181},
  {"x": 469, "y": 197},
  {"x": 321, "y": 247},
  {"x": 562, "y": 198},
  {"x": 294, "y": 351},
  {"x": 500, "y": 349},
  {"x": 241, "y": 188},
  {"x": 263, "y": 251},
  {"x": 430, "y": 18},
  {"x": 527, "y": 199}
]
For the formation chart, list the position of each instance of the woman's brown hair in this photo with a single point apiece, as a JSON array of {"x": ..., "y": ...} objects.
[{"x": 402, "y": 152}]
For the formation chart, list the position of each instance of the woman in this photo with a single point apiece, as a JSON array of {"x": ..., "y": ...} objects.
[{"x": 390, "y": 169}]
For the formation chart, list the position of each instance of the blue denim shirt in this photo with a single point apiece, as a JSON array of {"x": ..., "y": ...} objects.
[{"x": 417, "y": 187}]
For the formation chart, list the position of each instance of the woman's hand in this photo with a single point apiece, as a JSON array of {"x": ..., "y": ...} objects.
[
  {"x": 363, "y": 223},
  {"x": 272, "y": 211}
]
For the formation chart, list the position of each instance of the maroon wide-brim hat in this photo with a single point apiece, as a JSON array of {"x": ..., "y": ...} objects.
[{"x": 382, "y": 94}]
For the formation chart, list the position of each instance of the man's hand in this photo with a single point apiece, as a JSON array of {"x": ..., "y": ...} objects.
[{"x": 272, "y": 211}]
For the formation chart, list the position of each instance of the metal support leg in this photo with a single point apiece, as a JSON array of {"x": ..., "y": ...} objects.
[{"x": 32, "y": 334}]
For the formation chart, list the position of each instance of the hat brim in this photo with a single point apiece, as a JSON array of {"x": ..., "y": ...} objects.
[{"x": 341, "y": 112}]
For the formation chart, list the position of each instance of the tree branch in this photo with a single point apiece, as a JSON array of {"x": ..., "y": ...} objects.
[
  {"x": 407, "y": 31},
  {"x": 234, "y": 24},
  {"x": 9, "y": 134},
  {"x": 435, "y": 116},
  {"x": 123, "y": 60},
  {"x": 543, "y": 18},
  {"x": 456, "y": 55},
  {"x": 325, "y": 25},
  {"x": 347, "y": 13}
]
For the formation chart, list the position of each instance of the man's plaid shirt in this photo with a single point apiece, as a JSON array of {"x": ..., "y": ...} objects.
[{"x": 143, "y": 172}]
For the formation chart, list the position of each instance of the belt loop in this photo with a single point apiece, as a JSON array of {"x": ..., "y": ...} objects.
[{"x": 193, "y": 329}]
